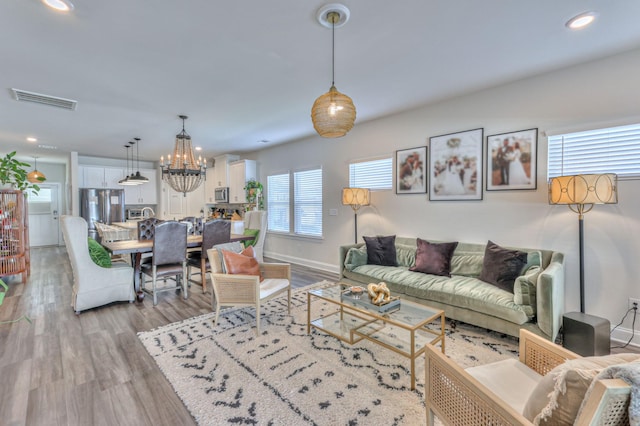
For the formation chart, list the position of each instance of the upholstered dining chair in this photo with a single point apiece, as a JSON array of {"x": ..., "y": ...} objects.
[
  {"x": 247, "y": 290},
  {"x": 169, "y": 258},
  {"x": 257, "y": 219},
  {"x": 93, "y": 285},
  {"x": 146, "y": 228},
  {"x": 214, "y": 232}
]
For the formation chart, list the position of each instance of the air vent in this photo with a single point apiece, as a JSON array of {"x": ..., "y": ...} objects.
[{"x": 39, "y": 98}]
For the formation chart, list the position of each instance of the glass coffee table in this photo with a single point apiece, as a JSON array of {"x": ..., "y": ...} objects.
[{"x": 402, "y": 329}]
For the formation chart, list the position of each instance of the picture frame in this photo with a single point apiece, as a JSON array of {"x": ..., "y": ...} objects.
[
  {"x": 455, "y": 166},
  {"x": 411, "y": 176},
  {"x": 512, "y": 161}
]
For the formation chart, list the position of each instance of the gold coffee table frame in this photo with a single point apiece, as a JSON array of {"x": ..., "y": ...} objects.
[{"x": 352, "y": 322}]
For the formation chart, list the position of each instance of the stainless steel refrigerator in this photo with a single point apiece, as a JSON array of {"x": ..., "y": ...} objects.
[{"x": 102, "y": 205}]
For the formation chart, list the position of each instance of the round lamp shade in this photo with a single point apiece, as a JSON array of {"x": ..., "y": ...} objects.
[
  {"x": 35, "y": 177},
  {"x": 333, "y": 114}
]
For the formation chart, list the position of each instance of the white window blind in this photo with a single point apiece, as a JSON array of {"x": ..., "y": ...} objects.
[
  {"x": 278, "y": 202},
  {"x": 610, "y": 150},
  {"x": 307, "y": 209},
  {"x": 375, "y": 174}
]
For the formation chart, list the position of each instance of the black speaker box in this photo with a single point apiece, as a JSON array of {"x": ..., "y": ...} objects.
[{"x": 586, "y": 335}]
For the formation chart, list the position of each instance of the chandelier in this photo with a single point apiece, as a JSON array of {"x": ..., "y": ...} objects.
[
  {"x": 36, "y": 176},
  {"x": 333, "y": 113},
  {"x": 181, "y": 171}
]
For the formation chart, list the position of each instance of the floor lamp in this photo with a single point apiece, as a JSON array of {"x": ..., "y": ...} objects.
[
  {"x": 585, "y": 334},
  {"x": 356, "y": 198}
]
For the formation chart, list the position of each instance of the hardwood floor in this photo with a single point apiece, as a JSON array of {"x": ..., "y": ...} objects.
[{"x": 90, "y": 369}]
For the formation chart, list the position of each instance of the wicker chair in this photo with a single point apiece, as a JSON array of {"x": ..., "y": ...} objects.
[
  {"x": 247, "y": 290},
  {"x": 456, "y": 397}
]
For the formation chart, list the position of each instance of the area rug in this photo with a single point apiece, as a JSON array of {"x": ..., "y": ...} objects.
[{"x": 225, "y": 374}]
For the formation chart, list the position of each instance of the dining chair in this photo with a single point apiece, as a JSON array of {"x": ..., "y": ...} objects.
[
  {"x": 214, "y": 232},
  {"x": 257, "y": 220},
  {"x": 169, "y": 259},
  {"x": 93, "y": 285}
]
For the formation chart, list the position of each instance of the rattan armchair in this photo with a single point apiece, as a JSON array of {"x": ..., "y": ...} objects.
[
  {"x": 247, "y": 290},
  {"x": 457, "y": 398}
]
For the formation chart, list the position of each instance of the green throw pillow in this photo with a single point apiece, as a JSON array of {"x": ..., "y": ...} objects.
[
  {"x": 99, "y": 254},
  {"x": 254, "y": 233}
]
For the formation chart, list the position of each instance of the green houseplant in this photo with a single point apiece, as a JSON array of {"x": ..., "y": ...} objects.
[
  {"x": 13, "y": 172},
  {"x": 253, "y": 191}
]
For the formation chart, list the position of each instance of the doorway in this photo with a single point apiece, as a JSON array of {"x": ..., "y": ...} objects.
[{"x": 44, "y": 217}]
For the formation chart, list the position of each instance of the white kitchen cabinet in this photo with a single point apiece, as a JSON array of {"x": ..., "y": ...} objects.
[
  {"x": 100, "y": 177},
  {"x": 209, "y": 186},
  {"x": 239, "y": 173},
  {"x": 146, "y": 193},
  {"x": 176, "y": 206},
  {"x": 221, "y": 170}
]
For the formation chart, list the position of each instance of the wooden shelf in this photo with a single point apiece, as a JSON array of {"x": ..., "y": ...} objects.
[{"x": 14, "y": 235}]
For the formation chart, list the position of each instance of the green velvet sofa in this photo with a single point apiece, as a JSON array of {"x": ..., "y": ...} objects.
[{"x": 537, "y": 303}]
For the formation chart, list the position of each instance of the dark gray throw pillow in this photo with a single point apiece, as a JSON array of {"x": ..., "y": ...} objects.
[
  {"x": 381, "y": 250},
  {"x": 434, "y": 258},
  {"x": 502, "y": 266}
]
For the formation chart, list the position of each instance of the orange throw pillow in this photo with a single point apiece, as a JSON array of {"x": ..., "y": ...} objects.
[{"x": 241, "y": 263}]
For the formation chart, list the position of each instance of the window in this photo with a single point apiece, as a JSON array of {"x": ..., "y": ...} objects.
[
  {"x": 610, "y": 150},
  {"x": 278, "y": 203},
  {"x": 307, "y": 202},
  {"x": 307, "y": 211},
  {"x": 375, "y": 174}
]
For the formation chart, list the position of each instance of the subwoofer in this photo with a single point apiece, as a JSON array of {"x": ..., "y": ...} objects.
[{"x": 586, "y": 335}]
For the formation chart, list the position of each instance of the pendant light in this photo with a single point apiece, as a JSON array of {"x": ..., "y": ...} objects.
[
  {"x": 182, "y": 171},
  {"x": 333, "y": 113},
  {"x": 35, "y": 176},
  {"x": 138, "y": 177},
  {"x": 126, "y": 180}
]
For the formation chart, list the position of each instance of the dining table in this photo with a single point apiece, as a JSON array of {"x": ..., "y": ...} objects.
[{"x": 136, "y": 248}]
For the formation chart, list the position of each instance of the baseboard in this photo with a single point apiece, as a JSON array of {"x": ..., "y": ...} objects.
[
  {"x": 620, "y": 336},
  {"x": 304, "y": 262}
]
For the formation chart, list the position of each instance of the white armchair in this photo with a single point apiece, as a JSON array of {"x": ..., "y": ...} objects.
[
  {"x": 257, "y": 220},
  {"x": 93, "y": 285}
]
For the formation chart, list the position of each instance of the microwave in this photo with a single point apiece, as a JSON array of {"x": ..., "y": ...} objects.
[{"x": 221, "y": 195}]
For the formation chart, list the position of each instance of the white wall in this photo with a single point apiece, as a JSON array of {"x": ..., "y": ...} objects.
[{"x": 597, "y": 94}]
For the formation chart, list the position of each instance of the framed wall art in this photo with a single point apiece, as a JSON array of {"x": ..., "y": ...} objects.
[
  {"x": 410, "y": 171},
  {"x": 455, "y": 166},
  {"x": 512, "y": 160}
]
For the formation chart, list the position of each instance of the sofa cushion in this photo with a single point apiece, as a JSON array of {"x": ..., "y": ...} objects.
[
  {"x": 99, "y": 254},
  {"x": 557, "y": 398},
  {"x": 217, "y": 265},
  {"x": 465, "y": 292},
  {"x": 251, "y": 232},
  {"x": 524, "y": 287},
  {"x": 356, "y": 256},
  {"x": 405, "y": 255},
  {"x": 381, "y": 250},
  {"x": 502, "y": 266},
  {"x": 434, "y": 258},
  {"x": 243, "y": 263}
]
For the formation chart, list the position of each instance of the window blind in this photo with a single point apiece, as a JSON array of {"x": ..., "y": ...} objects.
[
  {"x": 307, "y": 209},
  {"x": 375, "y": 174},
  {"x": 278, "y": 202},
  {"x": 610, "y": 150}
]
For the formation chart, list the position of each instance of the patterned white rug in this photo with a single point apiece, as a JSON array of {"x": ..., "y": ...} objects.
[{"x": 226, "y": 374}]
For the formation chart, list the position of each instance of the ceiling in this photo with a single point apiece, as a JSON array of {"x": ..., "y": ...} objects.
[{"x": 248, "y": 71}]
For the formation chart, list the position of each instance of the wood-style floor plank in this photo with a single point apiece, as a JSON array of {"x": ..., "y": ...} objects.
[{"x": 90, "y": 369}]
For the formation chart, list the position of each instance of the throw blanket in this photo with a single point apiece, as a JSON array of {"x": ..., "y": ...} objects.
[{"x": 630, "y": 373}]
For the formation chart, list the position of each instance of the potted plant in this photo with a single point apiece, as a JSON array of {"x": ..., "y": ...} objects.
[
  {"x": 253, "y": 191},
  {"x": 13, "y": 173}
]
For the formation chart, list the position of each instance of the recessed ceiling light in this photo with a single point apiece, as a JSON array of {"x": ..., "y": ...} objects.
[
  {"x": 61, "y": 5},
  {"x": 581, "y": 21},
  {"x": 32, "y": 139},
  {"x": 198, "y": 148}
]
